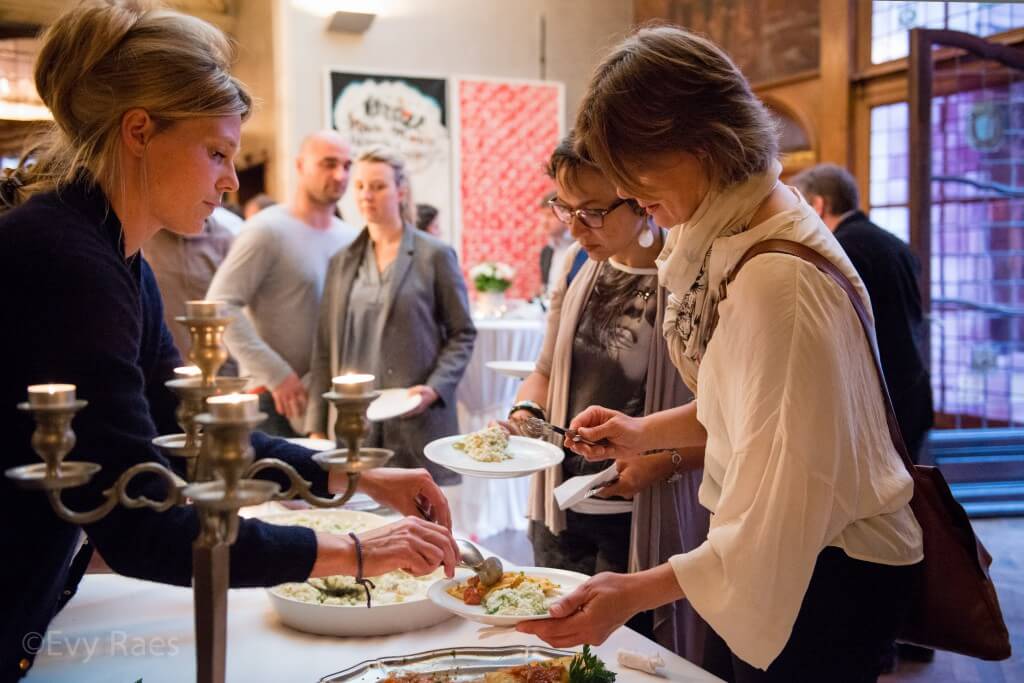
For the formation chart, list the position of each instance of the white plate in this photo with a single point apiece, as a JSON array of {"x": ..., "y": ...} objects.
[
  {"x": 438, "y": 593},
  {"x": 528, "y": 456},
  {"x": 392, "y": 403},
  {"x": 345, "y": 620},
  {"x": 512, "y": 368}
]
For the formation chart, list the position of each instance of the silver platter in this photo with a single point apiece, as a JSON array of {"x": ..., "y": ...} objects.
[{"x": 460, "y": 663}]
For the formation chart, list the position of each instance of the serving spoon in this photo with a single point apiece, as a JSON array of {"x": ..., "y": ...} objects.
[{"x": 489, "y": 570}]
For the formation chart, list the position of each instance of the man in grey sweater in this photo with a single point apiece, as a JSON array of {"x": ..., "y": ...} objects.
[{"x": 275, "y": 271}]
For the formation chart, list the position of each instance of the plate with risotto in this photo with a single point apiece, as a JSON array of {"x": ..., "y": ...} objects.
[
  {"x": 336, "y": 605},
  {"x": 493, "y": 454},
  {"x": 522, "y": 594}
]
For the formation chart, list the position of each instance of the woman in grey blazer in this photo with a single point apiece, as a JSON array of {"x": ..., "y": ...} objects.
[{"x": 394, "y": 305}]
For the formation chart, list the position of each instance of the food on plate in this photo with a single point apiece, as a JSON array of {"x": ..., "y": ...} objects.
[
  {"x": 516, "y": 594},
  {"x": 587, "y": 667},
  {"x": 584, "y": 667},
  {"x": 334, "y": 522},
  {"x": 487, "y": 445},
  {"x": 412, "y": 677},
  {"x": 388, "y": 589}
]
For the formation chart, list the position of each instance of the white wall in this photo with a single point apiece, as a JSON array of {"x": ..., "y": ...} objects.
[
  {"x": 498, "y": 38},
  {"x": 255, "y": 67}
]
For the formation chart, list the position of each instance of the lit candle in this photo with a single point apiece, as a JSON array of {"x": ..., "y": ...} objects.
[
  {"x": 352, "y": 384},
  {"x": 187, "y": 371},
  {"x": 233, "y": 406},
  {"x": 205, "y": 309},
  {"x": 45, "y": 395}
]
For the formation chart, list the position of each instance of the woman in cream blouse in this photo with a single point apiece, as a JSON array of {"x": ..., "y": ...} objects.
[
  {"x": 603, "y": 345},
  {"x": 810, "y": 555}
]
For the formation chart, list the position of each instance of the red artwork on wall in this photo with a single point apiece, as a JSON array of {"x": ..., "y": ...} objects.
[{"x": 507, "y": 131}]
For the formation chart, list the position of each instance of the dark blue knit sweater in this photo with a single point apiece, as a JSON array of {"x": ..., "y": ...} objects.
[{"x": 79, "y": 312}]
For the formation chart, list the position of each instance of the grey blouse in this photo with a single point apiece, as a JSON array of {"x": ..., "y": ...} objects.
[{"x": 364, "y": 321}]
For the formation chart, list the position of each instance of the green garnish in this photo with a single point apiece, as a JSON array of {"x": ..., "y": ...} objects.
[
  {"x": 587, "y": 667},
  {"x": 333, "y": 587}
]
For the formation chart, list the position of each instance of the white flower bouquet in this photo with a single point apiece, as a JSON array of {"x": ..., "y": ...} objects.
[{"x": 492, "y": 276}]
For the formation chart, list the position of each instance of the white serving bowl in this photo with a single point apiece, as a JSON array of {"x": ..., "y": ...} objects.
[{"x": 344, "y": 620}]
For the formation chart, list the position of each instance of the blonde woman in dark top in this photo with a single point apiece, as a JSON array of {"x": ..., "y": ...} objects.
[{"x": 147, "y": 121}]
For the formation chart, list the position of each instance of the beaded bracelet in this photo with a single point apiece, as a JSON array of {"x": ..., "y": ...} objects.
[{"x": 364, "y": 582}]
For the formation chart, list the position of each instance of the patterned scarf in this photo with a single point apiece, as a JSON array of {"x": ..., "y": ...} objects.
[{"x": 683, "y": 263}]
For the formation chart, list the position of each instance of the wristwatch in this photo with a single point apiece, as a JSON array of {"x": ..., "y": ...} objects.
[{"x": 677, "y": 460}]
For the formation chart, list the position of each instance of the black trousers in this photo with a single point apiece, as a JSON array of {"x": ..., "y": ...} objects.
[{"x": 850, "y": 614}]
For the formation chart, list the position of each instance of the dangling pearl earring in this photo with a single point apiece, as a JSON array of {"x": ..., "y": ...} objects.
[{"x": 646, "y": 238}]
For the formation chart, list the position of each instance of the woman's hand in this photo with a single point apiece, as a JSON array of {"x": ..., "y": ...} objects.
[
  {"x": 409, "y": 492},
  {"x": 587, "y": 615},
  {"x": 516, "y": 423},
  {"x": 602, "y": 604},
  {"x": 639, "y": 474},
  {"x": 415, "y": 545},
  {"x": 621, "y": 436},
  {"x": 428, "y": 397}
]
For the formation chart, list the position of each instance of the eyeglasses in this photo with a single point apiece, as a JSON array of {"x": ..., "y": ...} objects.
[{"x": 592, "y": 218}]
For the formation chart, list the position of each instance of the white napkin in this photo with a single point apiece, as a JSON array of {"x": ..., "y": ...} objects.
[
  {"x": 640, "y": 661},
  {"x": 575, "y": 489}
]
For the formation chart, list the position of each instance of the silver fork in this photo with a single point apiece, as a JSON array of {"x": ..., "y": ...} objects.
[{"x": 536, "y": 428}]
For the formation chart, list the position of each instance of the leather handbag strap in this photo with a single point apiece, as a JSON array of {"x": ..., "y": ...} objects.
[{"x": 802, "y": 251}]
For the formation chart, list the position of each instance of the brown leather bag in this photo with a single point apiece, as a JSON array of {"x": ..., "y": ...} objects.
[{"x": 955, "y": 606}]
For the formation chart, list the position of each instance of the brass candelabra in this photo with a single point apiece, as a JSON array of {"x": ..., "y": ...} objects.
[{"x": 217, "y": 424}]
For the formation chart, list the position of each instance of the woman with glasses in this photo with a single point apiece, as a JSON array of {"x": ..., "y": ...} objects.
[{"x": 603, "y": 346}]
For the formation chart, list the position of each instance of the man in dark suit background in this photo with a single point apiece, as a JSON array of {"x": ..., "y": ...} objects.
[{"x": 890, "y": 271}]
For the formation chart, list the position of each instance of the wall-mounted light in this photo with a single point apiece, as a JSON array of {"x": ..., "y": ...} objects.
[{"x": 350, "y": 22}]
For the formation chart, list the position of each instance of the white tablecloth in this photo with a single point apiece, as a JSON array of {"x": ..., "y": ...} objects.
[
  {"x": 120, "y": 630},
  {"x": 484, "y": 394},
  {"x": 485, "y": 507}
]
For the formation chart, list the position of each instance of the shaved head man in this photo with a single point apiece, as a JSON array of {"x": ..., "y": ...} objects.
[
  {"x": 323, "y": 165},
  {"x": 275, "y": 271}
]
